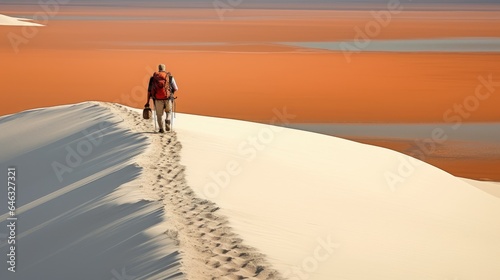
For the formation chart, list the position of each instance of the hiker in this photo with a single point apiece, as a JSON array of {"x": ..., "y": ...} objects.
[{"x": 161, "y": 85}]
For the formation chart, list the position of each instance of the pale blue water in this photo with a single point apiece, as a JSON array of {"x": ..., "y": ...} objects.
[
  {"x": 414, "y": 45},
  {"x": 431, "y": 45},
  {"x": 475, "y": 132}
]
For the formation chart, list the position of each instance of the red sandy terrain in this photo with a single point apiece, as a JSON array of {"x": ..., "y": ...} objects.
[
  {"x": 70, "y": 61},
  {"x": 77, "y": 60}
]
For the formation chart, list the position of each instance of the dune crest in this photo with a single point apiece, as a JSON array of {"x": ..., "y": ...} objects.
[
  {"x": 227, "y": 199},
  {"x": 209, "y": 249},
  {"x": 12, "y": 21},
  {"x": 80, "y": 212}
]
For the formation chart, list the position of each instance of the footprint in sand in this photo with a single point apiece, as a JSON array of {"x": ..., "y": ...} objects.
[{"x": 199, "y": 227}]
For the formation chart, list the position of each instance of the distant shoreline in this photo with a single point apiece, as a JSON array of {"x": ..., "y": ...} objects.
[{"x": 359, "y": 6}]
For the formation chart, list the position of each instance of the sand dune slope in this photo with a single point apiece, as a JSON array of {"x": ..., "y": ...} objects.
[
  {"x": 102, "y": 196},
  {"x": 6, "y": 20},
  {"x": 320, "y": 207},
  {"x": 209, "y": 247},
  {"x": 80, "y": 213}
]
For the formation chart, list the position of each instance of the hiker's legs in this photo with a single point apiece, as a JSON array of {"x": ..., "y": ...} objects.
[
  {"x": 168, "y": 108},
  {"x": 159, "y": 107}
]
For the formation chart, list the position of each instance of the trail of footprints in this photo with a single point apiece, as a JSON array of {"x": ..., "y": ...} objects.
[{"x": 197, "y": 225}]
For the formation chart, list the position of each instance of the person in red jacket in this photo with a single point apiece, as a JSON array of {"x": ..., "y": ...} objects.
[{"x": 160, "y": 88}]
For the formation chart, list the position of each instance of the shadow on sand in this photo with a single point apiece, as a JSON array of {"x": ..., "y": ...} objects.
[{"x": 75, "y": 220}]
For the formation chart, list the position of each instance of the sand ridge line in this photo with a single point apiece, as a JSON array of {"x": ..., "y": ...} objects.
[{"x": 209, "y": 248}]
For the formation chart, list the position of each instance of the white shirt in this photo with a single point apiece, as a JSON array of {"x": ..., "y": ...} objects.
[{"x": 174, "y": 84}]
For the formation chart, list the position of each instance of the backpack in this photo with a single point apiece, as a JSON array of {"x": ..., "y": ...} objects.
[
  {"x": 160, "y": 79},
  {"x": 160, "y": 86}
]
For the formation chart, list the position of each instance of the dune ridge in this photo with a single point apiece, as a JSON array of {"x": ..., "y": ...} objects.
[
  {"x": 80, "y": 212},
  {"x": 304, "y": 206},
  {"x": 13, "y": 21},
  {"x": 209, "y": 248},
  {"x": 322, "y": 207}
]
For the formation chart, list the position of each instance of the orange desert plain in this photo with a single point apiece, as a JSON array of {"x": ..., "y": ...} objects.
[{"x": 239, "y": 66}]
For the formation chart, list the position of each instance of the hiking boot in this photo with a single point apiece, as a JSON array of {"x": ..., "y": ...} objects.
[{"x": 161, "y": 130}]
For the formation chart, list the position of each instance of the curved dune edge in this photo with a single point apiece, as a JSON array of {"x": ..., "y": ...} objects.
[
  {"x": 12, "y": 21},
  {"x": 209, "y": 248},
  {"x": 321, "y": 207},
  {"x": 314, "y": 207},
  {"x": 79, "y": 206},
  {"x": 280, "y": 203},
  {"x": 492, "y": 188}
]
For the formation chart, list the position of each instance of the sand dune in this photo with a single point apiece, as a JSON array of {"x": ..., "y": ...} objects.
[
  {"x": 12, "y": 21},
  {"x": 323, "y": 208},
  {"x": 492, "y": 188},
  {"x": 209, "y": 248},
  {"x": 102, "y": 198},
  {"x": 226, "y": 199},
  {"x": 89, "y": 219}
]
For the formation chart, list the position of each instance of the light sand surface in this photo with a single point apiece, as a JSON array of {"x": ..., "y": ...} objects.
[
  {"x": 473, "y": 160},
  {"x": 13, "y": 21},
  {"x": 81, "y": 212},
  {"x": 470, "y": 150},
  {"x": 492, "y": 188},
  {"x": 227, "y": 199},
  {"x": 207, "y": 244},
  {"x": 327, "y": 211}
]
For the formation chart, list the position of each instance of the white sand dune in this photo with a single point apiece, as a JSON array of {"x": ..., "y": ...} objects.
[
  {"x": 228, "y": 199},
  {"x": 93, "y": 223},
  {"x": 492, "y": 188},
  {"x": 13, "y": 21},
  {"x": 290, "y": 192}
]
